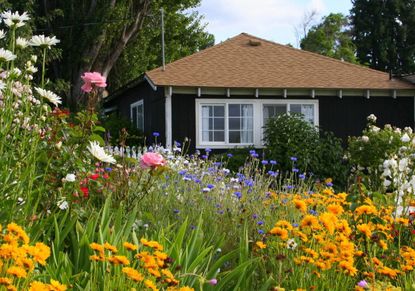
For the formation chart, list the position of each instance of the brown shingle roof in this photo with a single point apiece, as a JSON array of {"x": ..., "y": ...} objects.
[{"x": 240, "y": 62}]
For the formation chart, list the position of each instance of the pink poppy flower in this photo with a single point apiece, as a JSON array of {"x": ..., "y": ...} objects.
[
  {"x": 152, "y": 160},
  {"x": 93, "y": 78}
]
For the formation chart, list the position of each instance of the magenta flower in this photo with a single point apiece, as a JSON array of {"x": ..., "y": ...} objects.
[
  {"x": 93, "y": 79},
  {"x": 363, "y": 284},
  {"x": 213, "y": 282}
]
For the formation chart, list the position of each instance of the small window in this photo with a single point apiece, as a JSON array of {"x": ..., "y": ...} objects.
[
  {"x": 273, "y": 110},
  {"x": 137, "y": 114},
  {"x": 213, "y": 123},
  {"x": 307, "y": 110},
  {"x": 241, "y": 123}
]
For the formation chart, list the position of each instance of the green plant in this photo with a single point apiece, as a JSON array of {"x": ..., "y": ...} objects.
[{"x": 120, "y": 130}]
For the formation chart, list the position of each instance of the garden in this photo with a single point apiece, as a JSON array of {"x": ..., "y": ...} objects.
[{"x": 303, "y": 214}]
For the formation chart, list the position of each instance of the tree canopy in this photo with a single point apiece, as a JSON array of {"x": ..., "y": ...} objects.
[
  {"x": 331, "y": 37},
  {"x": 384, "y": 34}
]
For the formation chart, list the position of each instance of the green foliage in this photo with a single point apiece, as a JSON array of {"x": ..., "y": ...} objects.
[
  {"x": 367, "y": 152},
  {"x": 332, "y": 38},
  {"x": 384, "y": 34},
  {"x": 122, "y": 131},
  {"x": 295, "y": 143}
]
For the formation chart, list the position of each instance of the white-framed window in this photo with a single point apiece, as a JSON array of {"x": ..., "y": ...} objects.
[
  {"x": 137, "y": 114},
  {"x": 228, "y": 123}
]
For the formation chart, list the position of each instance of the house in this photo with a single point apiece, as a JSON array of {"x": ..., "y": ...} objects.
[{"x": 221, "y": 97}]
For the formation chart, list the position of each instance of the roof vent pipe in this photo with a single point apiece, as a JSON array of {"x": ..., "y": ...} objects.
[{"x": 254, "y": 42}]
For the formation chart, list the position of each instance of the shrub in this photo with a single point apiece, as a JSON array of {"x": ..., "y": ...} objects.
[
  {"x": 121, "y": 130},
  {"x": 296, "y": 144}
]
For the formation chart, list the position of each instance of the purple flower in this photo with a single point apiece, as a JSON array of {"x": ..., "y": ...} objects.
[
  {"x": 238, "y": 194},
  {"x": 176, "y": 211},
  {"x": 329, "y": 184},
  {"x": 295, "y": 224},
  {"x": 254, "y": 216},
  {"x": 198, "y": 181},
  {"x": 204, "y": 157},
  {"x": 156, "y": 134},
  {"x": 177, "y": 144},
  {"x": 210, "y": 186},
  {"x": 301, "y": 176},
  {"x": 272, "y": 162},
  {"x": 294, "y": 159},
  {"x": 295, "y": 170},
  {"x": 363, "y": 284},
  {"x": 251, "y": 152},
  {"x": 260, "y": 231},
  {"x": 182, "y": 172},
  {"x": 255, "y": 155},
  {"x": 208, "y": 150},
  {"x": 264, "y": 162},
  {"x": 108, "y": 169},
  {"x": 229, "y": 155},
  {"x": 260, "y": 222},
  {"x": 312, "y": 212},
  {"x": 272, "y": 173},
  {"x": 213, "y": 282}
]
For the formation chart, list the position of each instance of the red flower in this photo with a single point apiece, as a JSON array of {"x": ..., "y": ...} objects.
[
  {"x": 94, "y": 176},
  {"x": 85, "y": 191},
  {"x": 105, "y": 176}
]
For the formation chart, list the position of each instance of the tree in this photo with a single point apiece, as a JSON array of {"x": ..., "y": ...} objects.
[
  {"x": 384, "y": 34},
  {"x": 306, "y": 22},
  {"x": 331, "y": 37},
  {"x": 95, "y": 35}
]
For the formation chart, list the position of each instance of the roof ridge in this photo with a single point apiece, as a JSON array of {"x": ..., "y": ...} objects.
[
  {"x": 317, "y": 55},
  {"x": 198, "y": 52}
]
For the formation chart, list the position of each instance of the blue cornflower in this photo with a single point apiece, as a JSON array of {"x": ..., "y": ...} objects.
[
  {"x": 260, "y": 231},
  {"x": 255, "y": 155},
  {"x": 217, "y": 164},
  {"x": 198, "y": 181},
  {"x": 295, "y": 170},
  {"x": 108, "y": 169},
  {"x": 249, "y": 183},
  {"x": 295, "y": 224},
  {"x": 254, "y": 216},
  {"x": 156, "y": 134},
  {"x": 272, "y": 162},
  {"x": 251, "y": 152},
  {"x": 301, "y": 176},
  {"x": 260, "y": 222},
  {"x": 294, "y": 159},
  {"x": 204, "y": 157},
  {"x": 176, "y": 211},
  {"x": 264, "y": 162},
  {"x": 182, "y": 172},
  {"x": 272, "y": 173},
  {"x": 210, "y": 186},
  {"x": 313, "y": 212},
  {"x": 229, "y": 155},
  {"x": 177, "y": 144},
  {"x": 208, "y": 150},
  {"x": 238, "y": 194},
  {"x": 329, "y": 184}
]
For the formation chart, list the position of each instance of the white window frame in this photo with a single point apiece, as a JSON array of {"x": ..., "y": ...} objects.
[
  {"x": 258, "y": 119},
  {"x": 132, "y": 107}
]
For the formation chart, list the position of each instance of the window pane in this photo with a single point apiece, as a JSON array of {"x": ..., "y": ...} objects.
[
  {"x": 234, "y": 110},
  {"x": 308, "y": 112},
  {"x": 247, "y": 136},
  {"x": 205, "y": 111},
  {"x": 295, "y": 108},
  {"x": 247, "y": 110},
  {"x": 234, "y": 123},
  {"x": 219, "y": 123},
  {"x": 234, "y": 137},
  {"x": 219, "y": 135},
  {"x": 134, "y": 117},
  {"x": 219, "y": 111}
]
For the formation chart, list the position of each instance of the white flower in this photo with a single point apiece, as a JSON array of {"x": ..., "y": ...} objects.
[
  {"x": 374, "y": 128},
  {"x": 291, "y": 244},
  {"x": 52, "y": 97},
  {"x": 408, "y": 130},
  {"x": 2, "y": 34},
  {"x": 63, "y": 205},
  {"x": 405, "y": 138},
  {"x": 70, "y": 177},
  {"x": 14, "y": 19},
  {"x": 6, "y": 55},
  {"x": 206, "y": 189},
  {"x": 372, "y": 118},
  {"x": 403, "y": 164},
  {"x": 43, "y": 41},
  {"x": 386, "y": 183},
  {"x": 58, "y": 145},
  {"x": 365, "y": 138},
  {"x": 31, "y": 69},
  {"x": 98, "y": 152},
  {"x": 21, "y": 42}
]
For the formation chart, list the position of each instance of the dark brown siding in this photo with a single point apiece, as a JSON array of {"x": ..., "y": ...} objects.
[
  {"x": 347, "y": 116},
  {"x": 153, "y": 108}
]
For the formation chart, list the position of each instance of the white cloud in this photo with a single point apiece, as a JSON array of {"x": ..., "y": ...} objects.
[{"x": 270, "y": 19}]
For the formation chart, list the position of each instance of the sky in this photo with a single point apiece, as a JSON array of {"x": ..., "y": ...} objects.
[{"x": 270, "y": 19}]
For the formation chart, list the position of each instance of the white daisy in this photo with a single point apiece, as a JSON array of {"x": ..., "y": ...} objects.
[
  {"x": 98, "y": 152},
  {"x": 6, "y": 55},
  {"x": 2, "y": 34},
  {"x": 70, "y": 178},
  {"x": 22, "y": 42},
  {"x": 63, "y": 205},
  {"x": 43, "y": 41},
  {"x": 52, "y": 97},
  {"x": 14, "y": 19}
]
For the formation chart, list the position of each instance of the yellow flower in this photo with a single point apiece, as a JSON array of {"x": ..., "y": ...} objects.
[
  {"x": 97, "y": 247},
  {"x": 348, "y": 268},
  {"x": 96, "y": 258},
  {"x": 328, "y": 219},
  {"x": 154, "y": 272},
  {"x": 161, "y": 256},
  {"x": 110, "y": 247},
  {"x": 365, "y": 229},
  {"x": 310, "y": 221},
  {"x": 391, "y": 273},
  {"x": 18, "y": 231},
  {"x": 300, "y": 205},
  {"x": 38, "y": 286},
  {"x": 284, "y": 224},
  {"x": 119, "y": 260},
  {"x": 335, "y": 209},
  {"x": 56, "y": 286},
  {"x": 150, "y": 284},
  {"x": 5, "y": 281},
  {"x": 185, "y": 288},
  {"x": 383, "y": 244},
  {"x": 403, "y": 221},
  {"x": 130, "y": 246},
  {"x": 40, "y": 252},
  {"x": 280, "y": 232},
  {"x": 152, "y": 244},
  {"x": 261, "y": 245},
  {"x": 365, "y": 209},
  {"x": 133, "y": 274},
  {"x": 17, "y": 272}
]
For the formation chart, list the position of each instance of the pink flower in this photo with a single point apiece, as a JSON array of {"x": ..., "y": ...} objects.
[
  {"x": 93, "y": 78},
  {"x": 152, "y": 160},
  {"x": 213, "y": 282}
]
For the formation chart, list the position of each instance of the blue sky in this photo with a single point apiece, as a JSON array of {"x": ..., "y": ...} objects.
[{"x": 270, "y": 19}]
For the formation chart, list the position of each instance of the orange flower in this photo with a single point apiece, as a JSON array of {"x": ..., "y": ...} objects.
[
  {"x": 280, "y": 232},
  {"x": 365, "y": 209},
  {"x": 133, "y": 274},
  {"x": 310, "y": 221},
  {"x": 261, "y": 245},
  {"x": 17, "y": 272},
  {"x": 130, "y": 246},
  {"x": 300, "y": 205},
  {"x": 335, "y": 209},
  {"x": 365, "y": 229},
  {"x": 110, "y": 247}
]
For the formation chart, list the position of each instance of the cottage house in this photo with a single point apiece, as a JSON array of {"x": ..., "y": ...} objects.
[{"x": 221, "y": 97}]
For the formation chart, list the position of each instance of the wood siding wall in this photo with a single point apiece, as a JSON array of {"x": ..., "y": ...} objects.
[{"x": 153, "y": 108}]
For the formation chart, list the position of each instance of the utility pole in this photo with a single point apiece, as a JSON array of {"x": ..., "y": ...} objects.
[{"x": 162, "y": 38}]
